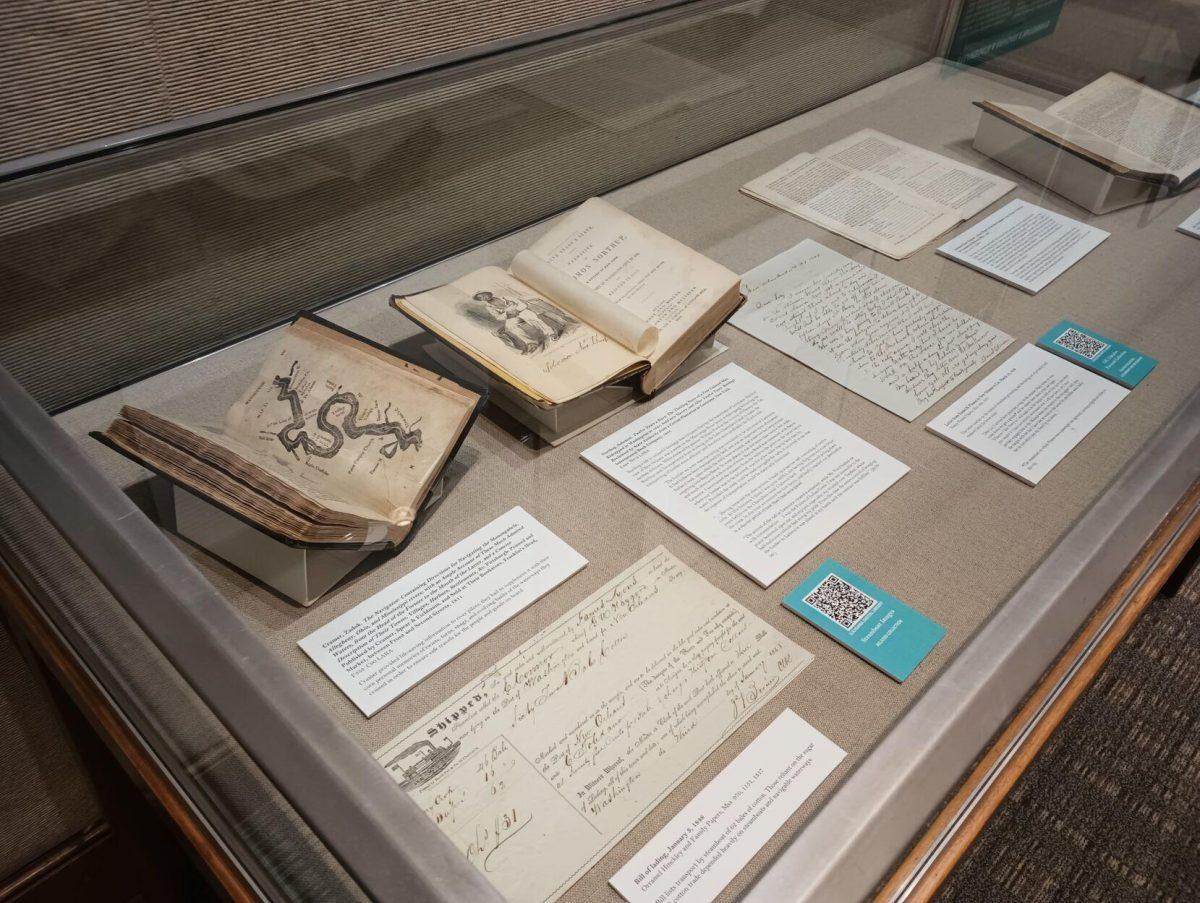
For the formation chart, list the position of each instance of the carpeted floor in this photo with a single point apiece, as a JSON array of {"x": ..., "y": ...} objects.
[{"x": 1110, "y": 809}]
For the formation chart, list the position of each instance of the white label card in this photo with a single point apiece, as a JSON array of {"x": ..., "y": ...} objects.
[
  {"x": 749, "y": 471},
  {"x": 1024, "y": 245},
  {"x": 1191, "y": 225},
  {"x": 389, "y": 642},
  {"x": 1029, "y": 412},
  {"x": 703, "y": 848}
]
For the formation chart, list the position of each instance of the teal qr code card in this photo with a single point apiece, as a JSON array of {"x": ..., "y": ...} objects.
[
  {"x": 871, "y": 623},
  {"x": 1080, "y": 345}
]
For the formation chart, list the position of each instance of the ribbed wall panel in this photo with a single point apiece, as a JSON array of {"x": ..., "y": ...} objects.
[{"x": 76, "y": 70}]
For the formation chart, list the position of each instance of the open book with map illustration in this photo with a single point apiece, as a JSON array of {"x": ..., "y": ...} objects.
[
  {"x": 336, "y": 443},
  {"x": 601, "y": 297}
]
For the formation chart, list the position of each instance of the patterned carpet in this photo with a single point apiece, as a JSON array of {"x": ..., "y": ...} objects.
[{"x": 1110, "y": 810}]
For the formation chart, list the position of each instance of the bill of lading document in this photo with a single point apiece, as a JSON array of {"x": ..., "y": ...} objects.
[{"x": 541, "y": 764}]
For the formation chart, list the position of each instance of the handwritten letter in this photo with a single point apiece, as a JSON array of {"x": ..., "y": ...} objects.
[
  {"x": 887, "y": 342},
  {"x": 543, "y": 763}
]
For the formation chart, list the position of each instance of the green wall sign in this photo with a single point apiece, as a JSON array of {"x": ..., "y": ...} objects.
[{"x": 991, "y": 28}]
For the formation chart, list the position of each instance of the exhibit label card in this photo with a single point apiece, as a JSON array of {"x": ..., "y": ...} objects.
[
  {"x": 1080, "y": 345},
  {"x": 889, "y": 343},
  {"x": 1024, "y": 245},
  {"x": 536, "y": 768},
  {"x": 871, "y": 623},
  {"x": 703, "y": 848},
  {"x": 1191, "y": 225},
  {"x": 747, "y": 470},
  {"x": 1028, "y": 413},
  {"x": 389, "y": 642}
]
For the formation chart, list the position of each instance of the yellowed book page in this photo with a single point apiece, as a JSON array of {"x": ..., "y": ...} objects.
[
  {"x": 587, "y": 304},
  {"x": 295, "y": 478},
  {"x": 357, "y": 428},
  {"x": 857, "y": 205},
  {"x": 963, "y": 188},
  {"x": 651, "y": 275},
  {"x": 1139, "y": 120},
  {"x": 539, "y": 345},
  {"x": 1069, "y": 133},
  {"x": 540, "y": 765}
]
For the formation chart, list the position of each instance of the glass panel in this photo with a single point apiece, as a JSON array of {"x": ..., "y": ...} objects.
[
  {"x": 1064, "y": 44},
  {"x": 122, "y": 265},
  {"x": 953, "y": 538},
  {"x": 133, "y": 261}
]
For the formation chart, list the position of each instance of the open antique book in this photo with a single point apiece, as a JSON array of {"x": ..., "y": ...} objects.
[
  {"x": 1120, "y": 126},
  {"x": 602, "y": 296},
  {"x": 336, "y": 443}
]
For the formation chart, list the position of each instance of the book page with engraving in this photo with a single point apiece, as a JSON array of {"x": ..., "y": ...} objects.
[
  {"x": 649, "y": 274},
  {"x": 539, "y": 766},
  {"x": 354, "y": 426},
  {"x": 548, "y": 352}
]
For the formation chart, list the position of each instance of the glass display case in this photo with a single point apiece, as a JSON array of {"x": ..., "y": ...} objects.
[{"x": 160, "y": 270}]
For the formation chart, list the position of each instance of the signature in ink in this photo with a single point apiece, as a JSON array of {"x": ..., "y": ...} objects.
[{"x": 505, "y": 827}]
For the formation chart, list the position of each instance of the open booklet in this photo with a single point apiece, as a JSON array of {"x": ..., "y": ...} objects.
[
  {"x": 879, "y": 191},
  {"x": 1119, "y": 125},
  {"x": 336, "y": 443},
  {"x": 601, "y": 297}
]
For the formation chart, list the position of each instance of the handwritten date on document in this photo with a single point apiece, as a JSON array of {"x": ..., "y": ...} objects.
[{"x": 546, "y": 760}]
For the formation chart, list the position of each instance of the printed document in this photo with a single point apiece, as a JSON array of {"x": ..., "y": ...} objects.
[
  {"x": 383, "y": 646},
  {"x": 1024, "y": 245},
  {"x": 747, "y": 470},
  {"x": 541, "y": 764},
  {"x": 703, "y": 848},
  {"x": 1029, "y": 413},
  {"x": 881, "y": 192},
  {"x": 889, "y": 343}
]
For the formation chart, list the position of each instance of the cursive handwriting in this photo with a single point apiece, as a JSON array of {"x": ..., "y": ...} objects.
[
  {"x": 861, "y": 321},
  {"x": 595, "y": 718}
]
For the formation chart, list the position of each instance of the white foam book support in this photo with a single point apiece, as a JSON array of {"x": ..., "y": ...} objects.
[
  {"x": 301, "y": 574},
  {"x": 1087, "y": 184},
  {"x": 565, "y": 421},
  {"x": 555, "y": 425}
]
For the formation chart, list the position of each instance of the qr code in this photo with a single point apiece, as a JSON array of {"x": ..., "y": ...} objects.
[
  {"x": 1082, "y": 344},
  {"x": 841, "y": 602}
]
